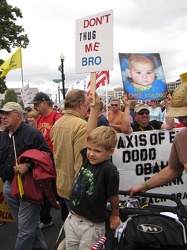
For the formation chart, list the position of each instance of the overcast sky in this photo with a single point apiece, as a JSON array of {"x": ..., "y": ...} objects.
[{"x": 156, "y": 26}]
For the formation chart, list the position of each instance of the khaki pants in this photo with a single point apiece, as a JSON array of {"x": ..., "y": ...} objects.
[{"x": 82, "y": 234}]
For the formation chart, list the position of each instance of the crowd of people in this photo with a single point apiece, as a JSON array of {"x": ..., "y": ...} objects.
[{"x": 79, "y": 139}]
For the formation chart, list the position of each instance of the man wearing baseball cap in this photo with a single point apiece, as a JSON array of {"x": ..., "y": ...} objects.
[
  {"x": 17, "y": 138},
  {"x": 142, "y": 118},
  {"x": 12, "y": 106},
  {"x": 178, "y": 156},
  {"x": 40, "y": 97}
]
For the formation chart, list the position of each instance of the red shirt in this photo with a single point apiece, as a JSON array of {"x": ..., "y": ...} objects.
[
  {"x": 44, "y": 124},
  {"x": 179, "y": 125}
]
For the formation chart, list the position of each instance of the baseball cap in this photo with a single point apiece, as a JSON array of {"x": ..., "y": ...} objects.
[
  {"x": 178, "y": 102},
  {"x": 12, "y": 106},
  {"x": 141, "y": 106},
  {"x": 40, "y": 97}
]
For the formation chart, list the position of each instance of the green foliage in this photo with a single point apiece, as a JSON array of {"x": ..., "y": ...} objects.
[
  {"x": 10, "y": 96},
  {"x": 3, "y": 86},
  {"x": 171, "y": 91},
  {"x": 21, "y": 103},
  {"x": 11, "y": 35}
]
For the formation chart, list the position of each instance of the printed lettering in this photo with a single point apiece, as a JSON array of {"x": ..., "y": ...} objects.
[
  {"x": 90, "y": 61},
  {"x": 1, "y": 197},
  {"x": 147, "y": 168},
  {"x": 172, "y": 135},
  {"x": 96, "y": 21},
  {"x": 157, "y": 138},
  {"x": 92, "y": 47},
  {"x": 6, "y": 215},
  {"x": 139, "y": 155},
  {"x": 131, "y": 141},
  {"x": 87, "y": 35}
]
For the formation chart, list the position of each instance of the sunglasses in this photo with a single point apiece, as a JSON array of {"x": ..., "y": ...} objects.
[
  {"x": 114, "y": 105},
  {"x": 143, "y": 112}
]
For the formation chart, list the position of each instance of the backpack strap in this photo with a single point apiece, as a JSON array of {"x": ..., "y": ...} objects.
[{"x": 54, "y": 118}]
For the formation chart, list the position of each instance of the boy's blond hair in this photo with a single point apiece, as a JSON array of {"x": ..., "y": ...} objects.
[{"x": 104, "y": 136}]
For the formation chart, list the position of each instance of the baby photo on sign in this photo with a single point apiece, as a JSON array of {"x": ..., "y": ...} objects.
[{"x": 143, "y": 76}]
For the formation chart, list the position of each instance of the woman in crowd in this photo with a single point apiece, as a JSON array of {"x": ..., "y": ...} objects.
[
  {"x": 32, "y": 118},
  {"x": 155, "y": 111}
]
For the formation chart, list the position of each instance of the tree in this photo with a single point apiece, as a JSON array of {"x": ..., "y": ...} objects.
[
  {"x": 3, "y": 86},
  {"x": 11, "y": 35},
  {"x": 10, "y": 96}
]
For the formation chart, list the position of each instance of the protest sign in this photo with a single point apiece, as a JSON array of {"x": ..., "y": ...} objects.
[
  {"x": 143, "y": 76},
  {"x": 94, "y": 43},
  {"x": 5, "y": 214},
  {"x": 138, "y": 156},
  {"x": 26, "y": 96}
]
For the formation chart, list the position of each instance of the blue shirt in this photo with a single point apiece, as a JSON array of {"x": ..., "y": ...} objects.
[{"x": 153, "y": 93}]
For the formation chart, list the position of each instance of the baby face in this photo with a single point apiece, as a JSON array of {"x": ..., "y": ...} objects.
[{"x": 142, "y": 74}]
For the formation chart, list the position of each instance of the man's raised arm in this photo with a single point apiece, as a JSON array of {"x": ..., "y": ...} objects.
[{"x": 126, "y": 121}]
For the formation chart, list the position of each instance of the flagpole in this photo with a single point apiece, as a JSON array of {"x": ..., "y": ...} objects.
[
  {"x": 21, "y": 66},
  {"x": 106, "y": 85},
  {"x": 20, "y": 183},
  {"x": 93, "y": 87}
]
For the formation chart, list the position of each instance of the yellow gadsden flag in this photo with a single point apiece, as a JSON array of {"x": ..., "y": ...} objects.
[{"x": 12, "y": 62}]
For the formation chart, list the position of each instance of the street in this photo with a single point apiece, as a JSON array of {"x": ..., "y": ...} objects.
[{"x": 8, "y": 232}]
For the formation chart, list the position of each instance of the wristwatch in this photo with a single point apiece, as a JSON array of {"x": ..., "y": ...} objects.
[{"x": 29, "y": 165}]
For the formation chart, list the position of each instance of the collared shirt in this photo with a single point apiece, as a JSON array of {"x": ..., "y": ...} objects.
[
  {"x": 68, "y": 136},
  {"x": 25, "y": 137}
]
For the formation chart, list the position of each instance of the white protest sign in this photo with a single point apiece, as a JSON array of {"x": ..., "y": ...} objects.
[
  {"x": 140, "y": 155},
  {"x": 80, "y": 84},
  {"x": 26, "y": 95},
  {"x": 94, "y": 43}
]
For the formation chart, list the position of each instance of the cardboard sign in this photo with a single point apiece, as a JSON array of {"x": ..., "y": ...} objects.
[
  {"x": 143, "y": 76},
  {"x": 138, "y": 156},
  {"x": 94, "y": 43},
  {"x": 26, "y": 95},
  {"x": 5, "y": 214}
]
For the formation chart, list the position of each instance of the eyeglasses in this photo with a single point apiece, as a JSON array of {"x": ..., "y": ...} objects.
[
  {"x": 7, "y": 113},
  {"x": 143, "y": 112},
  {"x": 114, "y": 105}
]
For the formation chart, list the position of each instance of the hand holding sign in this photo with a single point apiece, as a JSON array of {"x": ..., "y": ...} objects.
[{"x": 93, "y": 87}]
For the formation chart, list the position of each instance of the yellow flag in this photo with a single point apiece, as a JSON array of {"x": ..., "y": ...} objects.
[{"x": 12, "y": 62}]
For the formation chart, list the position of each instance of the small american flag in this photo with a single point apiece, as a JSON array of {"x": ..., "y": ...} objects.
[
  {"x": 100, "y": 245},
  {"x": 102, "y": 79}
]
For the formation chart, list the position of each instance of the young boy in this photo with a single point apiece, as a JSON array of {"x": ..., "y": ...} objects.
[
  {"x": 96, "y": 183},
  {"x": 143, "y": 86}
]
